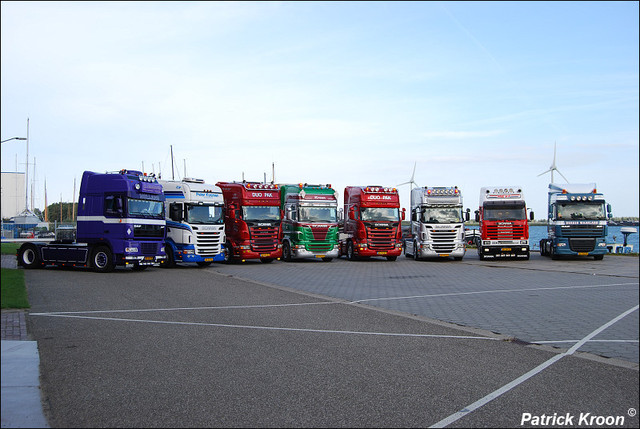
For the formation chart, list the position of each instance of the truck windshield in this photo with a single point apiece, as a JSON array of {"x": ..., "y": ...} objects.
[
  {"x": 258, "y": 213},
  {"x": 584, "y": 211},
  {"x": 505, "y": 213},
  {"x": 199, "y": 214},
  {"x": 145, "y": 208},
  {"x": 318, "y": 214},
  {"x": 379, "y": 214},
  {"x": 441, "y": 215}
]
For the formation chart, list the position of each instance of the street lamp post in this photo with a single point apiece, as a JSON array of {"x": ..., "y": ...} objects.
[{"x": 14, "y": 138}]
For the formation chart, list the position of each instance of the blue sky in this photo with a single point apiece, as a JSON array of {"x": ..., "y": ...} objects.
[{"x": 348, "y": 93}]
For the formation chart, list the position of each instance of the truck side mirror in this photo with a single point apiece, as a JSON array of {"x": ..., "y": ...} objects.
[
  {"x": 467, "y": 215},
  {"x": 609, "y": 209},
  {"x": 531, "y": 215},
  {"x": 477, "y": 215},
  {"x": 175, "y": 212},
  {"x": 403, "y": 213}
]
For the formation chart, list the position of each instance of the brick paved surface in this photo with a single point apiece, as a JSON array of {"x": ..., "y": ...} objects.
[
  {"x": 14, "y": 325},
  {"x": 539, "y": 301}
]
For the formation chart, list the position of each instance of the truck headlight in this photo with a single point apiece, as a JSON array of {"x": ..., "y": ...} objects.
[{"x": 562, "y": 244}]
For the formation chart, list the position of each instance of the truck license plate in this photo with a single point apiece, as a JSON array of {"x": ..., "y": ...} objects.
[
  {"x": 264, "y": 255},
  {"x": 148, "y": 258},
  {"x": 208, "y": 259},
  {"x": 583, "y": 253},
  {"x": 382, "y": 253},
  {"x": 444, "y": 255},
  {"x": 506, "y": 249}
]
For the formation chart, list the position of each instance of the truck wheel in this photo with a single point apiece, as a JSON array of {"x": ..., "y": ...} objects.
[
  {"x": 28, "y": 257},
  {"x": 598, "y": 257},
  {"x": 203, "y": 264},
  {"x": 391, "y": 258},
  {"x": 138, "y": 267},
  {"x": 266, "y": 260},
  {"x": 350, "y": 250},
  {"x": 415, "y": 251},
  {"x": 327, "y": 259},
  {"x": 170, "y": 262},
  {"x": 286, "y": 251},
  {"x": 102, "y": 259},
  {"x": 228, "y": 254}
]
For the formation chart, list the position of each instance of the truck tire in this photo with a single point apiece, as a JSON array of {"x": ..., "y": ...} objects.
[
  {"x": 266, "y": 260},
  {"x": 102, "y": 259},
  {"x": 202, "y": 264},
  {"x": 170, "y": 262},
  {"x": 598, "y": 257},
  {"x": 28, "y": 257},
  {"x": 138, "y": 267},
  {"x": 286, "y": 251},
  {"x": 327, "y": 259},
  {"x": 415, "y": 251},
  {"x": 350, "y": 250},
  {"x": 391, "y": 258}
]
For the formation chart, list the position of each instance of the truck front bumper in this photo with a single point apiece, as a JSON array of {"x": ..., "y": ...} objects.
[
  {"x": 129, "y": 260},
  {"x": 506, "y": 251},
  {"x": 304, "y": 253},
  {"x": 426, "y": 251}
]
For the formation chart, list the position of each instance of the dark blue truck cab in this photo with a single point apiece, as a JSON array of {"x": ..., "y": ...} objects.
[{"x": 120, "y": 223}]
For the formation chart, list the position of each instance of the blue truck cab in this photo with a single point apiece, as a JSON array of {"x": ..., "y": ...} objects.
[
  {"x": 120, "y": 223},
  {"x": 577, "y": 222}
]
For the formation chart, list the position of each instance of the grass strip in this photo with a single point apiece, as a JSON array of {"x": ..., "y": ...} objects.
[{"x": 14, "y": 292}]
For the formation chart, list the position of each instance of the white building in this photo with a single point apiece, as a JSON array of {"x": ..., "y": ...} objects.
[{"x": 13, "y": 194}]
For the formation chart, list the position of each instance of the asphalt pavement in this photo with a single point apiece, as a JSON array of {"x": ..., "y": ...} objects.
[{"x": 314, "y": 344}]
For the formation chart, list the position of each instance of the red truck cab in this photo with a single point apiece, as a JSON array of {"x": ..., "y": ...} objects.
[
  {"x": 252, "y": 221},
  {"x": 371, "y": 224}
]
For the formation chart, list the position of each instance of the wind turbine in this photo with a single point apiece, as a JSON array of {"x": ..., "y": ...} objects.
[
  {"x": 553, "y": 166},
  {"x": 411, "y": 182}
]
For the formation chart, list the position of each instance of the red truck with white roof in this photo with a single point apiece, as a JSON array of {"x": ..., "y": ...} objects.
[
  {"x": 372, "y": 222},
  {"x": 252, "y": 220}
]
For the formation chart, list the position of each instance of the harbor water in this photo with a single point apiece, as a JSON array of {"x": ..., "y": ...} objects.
[{"x": 614, "y": 236}]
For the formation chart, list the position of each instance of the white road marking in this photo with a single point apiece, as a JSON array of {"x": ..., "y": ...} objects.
[
  {"x": 224, "y": 307},
  {"x": 590, "y": 341},
  {"x": 491, "y": 291},
  {"x": 496, "y": 393},
  {"x": 267, "y": 328}
]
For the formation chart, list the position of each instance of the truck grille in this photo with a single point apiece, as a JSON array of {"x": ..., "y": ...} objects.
[
  {"x": 505, "y": 232},
  {"x": 146, "y": 231},
  {"x": 150, "y": 249},
  {"x": 582, "y": 244},
  {"x": 208, "y": 243},
  {"x": 583, "y": 231},
  {"x": 443, "y": 240},
  {"x": 316, "y": 244},
  {"x": 264, "y": 239},
  {"x": 381, "y": 238}
]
